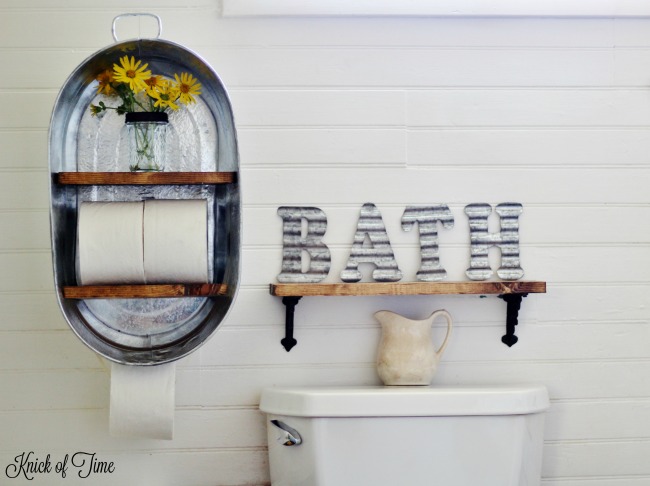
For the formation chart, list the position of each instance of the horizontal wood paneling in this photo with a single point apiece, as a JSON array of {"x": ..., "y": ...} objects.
[
  {"x": 23, "y": 149},
  {"x": 25, "y": 230},
  {"x": 597, "y": 458},
  {"x": 444, "y": 183},
  {"x": 607, "y": 481},
  {"x": 318, "y": 107},
  {"x": 302, "y": 147},
  {"x": 213, "y": 429},
  {"x": 549, "y": 147},
  {"x": 430, "y": 67},
  {"x": 597, "y": 420},
  {"x": 38, "y": 390},
  {"x": 30, "y": 311},
  {"x": 44, "y": 350},
  {"x": 367, "y": 66},
  {"x": 541, "y": 107},
  {"x": 552, "y": 113},
  {"x": 29, "y": 109},
  {"x": 453, "y": 9}
]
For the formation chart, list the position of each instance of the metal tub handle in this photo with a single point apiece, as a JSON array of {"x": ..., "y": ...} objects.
[{"x": 136, "y": 15}]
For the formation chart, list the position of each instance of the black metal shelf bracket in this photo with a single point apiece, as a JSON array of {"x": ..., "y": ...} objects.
[
  {"x": 290, "y": 308},
  {"x": 513, "y": 302}
]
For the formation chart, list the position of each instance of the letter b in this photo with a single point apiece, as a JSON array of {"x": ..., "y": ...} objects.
[{"x": 293, "y": 245}]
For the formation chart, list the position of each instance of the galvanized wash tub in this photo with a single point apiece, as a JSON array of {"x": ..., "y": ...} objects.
[{"x": 203, "y": 139}]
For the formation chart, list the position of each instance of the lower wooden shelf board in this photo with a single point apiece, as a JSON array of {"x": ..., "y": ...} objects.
[{"x": 143, "y": 291}]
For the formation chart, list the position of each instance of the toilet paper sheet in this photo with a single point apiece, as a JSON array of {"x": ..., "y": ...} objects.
[{"x": 143, "y": 401}]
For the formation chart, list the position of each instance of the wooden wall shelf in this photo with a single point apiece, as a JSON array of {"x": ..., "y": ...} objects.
[
  {"x": 143, "y": 291},
  {"x": 511, "y": 292},
  {"x": 144, "y": 178},
  {"x": 407, "y": 288}
]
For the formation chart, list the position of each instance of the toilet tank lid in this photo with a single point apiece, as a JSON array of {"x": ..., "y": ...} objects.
[{"x": 404, "y": 401}]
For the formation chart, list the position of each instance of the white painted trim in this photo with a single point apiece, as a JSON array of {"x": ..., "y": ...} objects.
[{"x": 444, "y": 8}]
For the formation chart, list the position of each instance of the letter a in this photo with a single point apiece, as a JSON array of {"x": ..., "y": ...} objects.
[
  {"x": 507, "y": 240},
  {"x": 293, "y": 245},
  {"x": 379, "y": 252}
]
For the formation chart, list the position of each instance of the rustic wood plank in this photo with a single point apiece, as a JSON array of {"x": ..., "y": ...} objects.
[
  {"x": 143, "y": 291},
  {"x": 408, "y": 288},
  {"x": 143, "y": 178}
]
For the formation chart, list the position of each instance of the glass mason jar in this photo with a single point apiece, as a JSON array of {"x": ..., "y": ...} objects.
[{"x": 147, "y": 134}]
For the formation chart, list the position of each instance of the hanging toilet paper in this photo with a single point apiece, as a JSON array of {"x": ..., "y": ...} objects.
[
  {"x": 109, "y": 243},
  {"x": 175, "y": 241},
  {"x": 143, "y": 401}
]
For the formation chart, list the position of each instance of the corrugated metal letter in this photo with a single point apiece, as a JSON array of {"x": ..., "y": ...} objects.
[
  {"x": 507, "y": 240},
  {"x": 379, "y": 252},
  {"x": 427, "y": 219},
  {"x": 294, "y": 244}
]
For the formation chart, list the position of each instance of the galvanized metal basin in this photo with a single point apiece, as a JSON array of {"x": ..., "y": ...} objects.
[{"x": 203, "y": 139}]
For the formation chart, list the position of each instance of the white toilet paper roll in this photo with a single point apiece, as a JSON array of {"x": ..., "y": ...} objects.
[
  {"x": 143, "y": 401},
  {"x": 109, "y": 243},
  {"x": 175, "y": 241}
]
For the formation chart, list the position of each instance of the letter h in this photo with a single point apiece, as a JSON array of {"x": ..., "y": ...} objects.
[{"x": 507, "y": 240}]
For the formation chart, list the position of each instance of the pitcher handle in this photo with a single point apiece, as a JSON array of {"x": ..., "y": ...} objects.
[{"x": 447, "y": 317}]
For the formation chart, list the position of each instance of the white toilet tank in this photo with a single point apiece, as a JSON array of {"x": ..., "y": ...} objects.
[{"x": 412, "y": 436}]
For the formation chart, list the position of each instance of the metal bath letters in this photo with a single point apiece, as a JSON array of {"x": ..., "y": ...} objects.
[{"x": 371, "y": 243}]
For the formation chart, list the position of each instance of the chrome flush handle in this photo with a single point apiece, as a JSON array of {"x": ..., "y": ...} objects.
[{"x": 290, "y": 436}]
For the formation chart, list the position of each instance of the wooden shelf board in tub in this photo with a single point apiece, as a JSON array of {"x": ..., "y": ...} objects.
[
  {"x": 144, "y": 178},
  {"x": 143, "y": 291}
]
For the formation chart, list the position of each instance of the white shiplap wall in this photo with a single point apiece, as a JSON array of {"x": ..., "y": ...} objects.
[{"x": 335, "y": 112}]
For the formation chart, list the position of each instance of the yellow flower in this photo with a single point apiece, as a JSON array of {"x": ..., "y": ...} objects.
[
  {"x": 165, "y": 95},
  {"x": 105, "y": 79},
  {"x": 131, "y": 73},
  {"x": 154, "y": 81},
  {"x": 188, "y": 87}
]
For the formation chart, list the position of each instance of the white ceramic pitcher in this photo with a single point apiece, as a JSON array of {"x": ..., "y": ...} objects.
[{"x": 406, "y": 354}]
